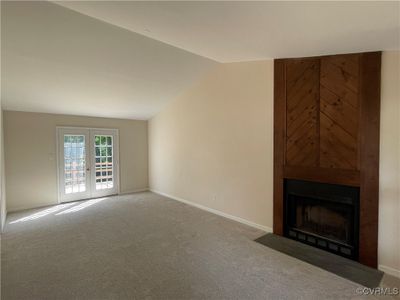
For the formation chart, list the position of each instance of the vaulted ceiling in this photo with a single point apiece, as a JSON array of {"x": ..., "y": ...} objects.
[
  {"x": 56, "y": 60},
  {"x": 229, "y": 31},
  {"x": 127, "y": 59}
]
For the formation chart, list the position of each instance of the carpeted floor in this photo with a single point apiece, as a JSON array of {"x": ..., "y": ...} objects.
[{"x": 145, "y": 246}]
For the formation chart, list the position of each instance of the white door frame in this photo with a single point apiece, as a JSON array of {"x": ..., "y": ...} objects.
[{"x": 90, "y": 162}]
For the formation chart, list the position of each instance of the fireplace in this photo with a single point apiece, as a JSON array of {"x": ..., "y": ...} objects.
[
  {"x": 323, "y": 215},
  {"x": 326, "y": 129}
]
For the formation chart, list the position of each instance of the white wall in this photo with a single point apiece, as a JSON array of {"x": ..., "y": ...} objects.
[
  {"x": 389, "y": 185},
  {"x": 30, "y": 152},
  {"x": 213, "y": 145}
]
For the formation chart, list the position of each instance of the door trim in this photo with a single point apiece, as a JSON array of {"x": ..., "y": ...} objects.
[{"x": 89, "y": 129}]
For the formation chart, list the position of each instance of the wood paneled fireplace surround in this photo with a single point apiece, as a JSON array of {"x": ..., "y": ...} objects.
[{"x": 326, "y": 152}]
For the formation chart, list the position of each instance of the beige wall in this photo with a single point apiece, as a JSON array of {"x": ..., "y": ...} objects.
[
  {"x": 213, "y": 145},
  {"x": 389, "y": 192},
  {"x": 30, "y": 153}
]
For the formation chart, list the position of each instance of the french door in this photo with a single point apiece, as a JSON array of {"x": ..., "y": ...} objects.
[{"x": 87, "y": 163}]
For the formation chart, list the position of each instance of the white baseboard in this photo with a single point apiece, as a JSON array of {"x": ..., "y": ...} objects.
[
  {"x": 217, "y": 212},
  {"x": 134, "y": 191},
  {"x": 391, "y": 271}
]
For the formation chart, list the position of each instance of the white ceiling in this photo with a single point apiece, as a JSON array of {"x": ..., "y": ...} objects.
[
  {"x": 128, "y": 59},
  {"x": 240, "y": 31},
  {"x": 55, "y": 60}
]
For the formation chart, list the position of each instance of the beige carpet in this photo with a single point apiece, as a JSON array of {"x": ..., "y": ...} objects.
[{"x": 145, "y": 246}]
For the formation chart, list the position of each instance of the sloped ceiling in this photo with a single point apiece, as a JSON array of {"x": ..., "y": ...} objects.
[
  {"x": 229, "y": 31},
  {"x": 56, "y": 60},
  {"x": 127, "y": 59}
]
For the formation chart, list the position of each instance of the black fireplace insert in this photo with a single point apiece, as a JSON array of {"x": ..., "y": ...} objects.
[{"x": 323, "y": 215}]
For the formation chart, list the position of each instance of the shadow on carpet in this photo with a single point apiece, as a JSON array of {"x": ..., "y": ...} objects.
[{"x": 333, "y": 263}]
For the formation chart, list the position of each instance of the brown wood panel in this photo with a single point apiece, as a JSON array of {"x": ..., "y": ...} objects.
[
  {"x": 339, "y": 111},
  {"x": 339, "y": 89},
  {"x": 370, "y": 67},
  {"x": 302, "y": 96},
  {"x": 340, "y": 76},
  {"x": 338, "y": 148},
  {"x": 279, "y": 142},
  {"x": 349, "y": 63},
  {"x": 323, "y": 175}
]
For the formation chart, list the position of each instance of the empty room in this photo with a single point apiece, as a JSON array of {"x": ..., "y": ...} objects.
[{"x": 200, "y": 150}]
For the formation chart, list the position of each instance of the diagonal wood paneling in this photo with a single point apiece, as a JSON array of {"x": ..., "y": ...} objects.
[
  {"x": 340, "y": 76},
  {"x": 339, "y": 113},
  {"x": 302, "y": 88},
  {"x": 338, "y": 148}
]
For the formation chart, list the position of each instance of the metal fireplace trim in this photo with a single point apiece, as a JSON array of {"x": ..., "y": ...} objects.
[{"x": 322, "y": 191}]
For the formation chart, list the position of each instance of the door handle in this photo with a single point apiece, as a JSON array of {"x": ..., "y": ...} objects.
[{"x": 87, "y": 169}]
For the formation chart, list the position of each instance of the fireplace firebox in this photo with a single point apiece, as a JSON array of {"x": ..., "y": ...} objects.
[{"x": 323, "y": 215}]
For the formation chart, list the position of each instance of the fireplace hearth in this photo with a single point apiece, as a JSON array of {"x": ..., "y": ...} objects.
[{"x": 323, "y": 215}]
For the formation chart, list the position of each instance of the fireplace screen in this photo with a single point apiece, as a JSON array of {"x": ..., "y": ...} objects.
[
  {"x": 323, "y": 218},
  {"x": 323, "y": 215}
]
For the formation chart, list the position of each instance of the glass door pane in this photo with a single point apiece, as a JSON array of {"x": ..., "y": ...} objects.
[
  {"x": 74, "y": 164},
  {"x": 104, "y": 161}
]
